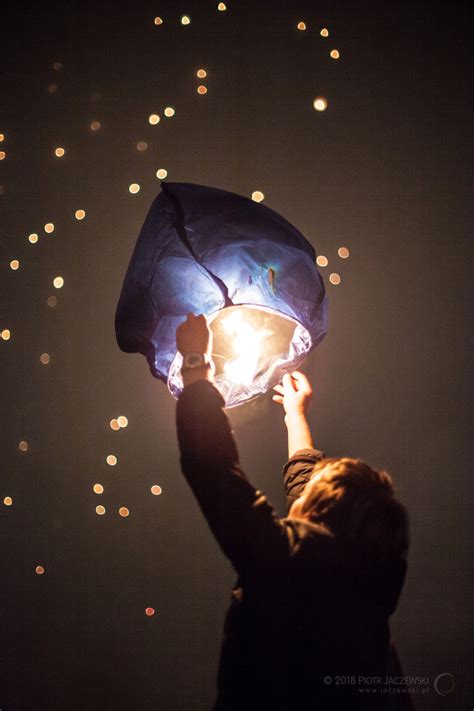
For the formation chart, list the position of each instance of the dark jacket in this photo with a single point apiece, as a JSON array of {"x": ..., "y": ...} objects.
[{"x": 308, "y": 621}]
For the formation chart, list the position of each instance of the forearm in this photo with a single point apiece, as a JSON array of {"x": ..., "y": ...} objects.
[{"x": 299, "y": 434}]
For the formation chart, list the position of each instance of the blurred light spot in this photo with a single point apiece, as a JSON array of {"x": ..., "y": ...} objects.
[
  {"x": 149, "y": 611},
  {"x": 59, "y": 152},
  {"x": 122, "y": 421},
  {"x": 8, "y": 501},
  {"x": 142, "y": 146},
  {"x": 169, "y": 111},
  {"x": 161, "y": 173},
  {"x": 33, "y": 238},
  {"x": 100, "y": 510},
  {"x": 324, "y": 32},
  {"x": 222, "y": 7},
  {"x": 52, "y": 88},
  {"x": 158, "y": 21},
  {"x": 123, "y": 511},
  {"x": 343, "y": 252},
  {"x": 202, "y": 89},
  {"x": 45, "y": 358},
  {"x": 201, "y": 73},
  {"x": 23, "y": 446},
  {"x": 98, "y": 489},
  {"x": 301, "y": 26},
  {"x": 334, "y": 278},
  {"x": 57, "y": 66},
  {"x": 322, "y": 261},
  {"x": 111, "y": 460},
  {"x": 58, "y": 282},
  {"x": 95, "y": 125},
  {"x": 2, "y": 155},
  {"x": 2, "y": 190},
  {"x": 134, "y": 188},
  {"x": 51, "y": 301},
  {"x": 80, "y": 214},
  {"x": 49, "y": 227},
  {"x": 185, "y": 20},
  {"x": 2, "y": 137},
  {"x": 114, "y": 425},
  {"x": 156, "y": 490},
  {"x": 153, "y": 119},
  {"x": 39, "y": 570},
  {"x": 320, "y": 103},
  {"x": 14, "y": 264},
  {"x": 257, "y": 196},
  {"x": 334, "y": 54},
  {"x": 6, "y": 335}
]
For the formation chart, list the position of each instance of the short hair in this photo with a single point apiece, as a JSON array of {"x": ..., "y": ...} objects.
[{"x": 357, "y": 502}]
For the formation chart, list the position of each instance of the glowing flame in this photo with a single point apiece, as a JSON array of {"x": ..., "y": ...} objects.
[{"x": 247, "y": 346}]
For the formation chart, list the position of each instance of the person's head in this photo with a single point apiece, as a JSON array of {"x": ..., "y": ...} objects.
[{"x": 355, "y": 502}]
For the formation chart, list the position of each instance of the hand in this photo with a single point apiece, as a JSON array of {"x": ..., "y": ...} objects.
[
  {"x": 294, "y": 393},
  {"x": 194, "y": 336}
]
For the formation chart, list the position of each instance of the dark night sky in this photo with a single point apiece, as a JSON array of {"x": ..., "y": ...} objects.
[{"x": 384, "y": 171}]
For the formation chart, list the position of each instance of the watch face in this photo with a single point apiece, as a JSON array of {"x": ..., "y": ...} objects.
[{"x": 193, "y": 360}]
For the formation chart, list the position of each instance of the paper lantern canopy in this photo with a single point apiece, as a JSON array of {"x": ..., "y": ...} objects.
[{"x": 205, "y": 250}]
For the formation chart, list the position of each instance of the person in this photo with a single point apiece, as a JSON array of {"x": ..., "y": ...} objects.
[{"x": 308, "y": 624}]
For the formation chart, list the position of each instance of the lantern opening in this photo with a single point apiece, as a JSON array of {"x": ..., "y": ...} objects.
[{"x": 253, "y": 347}]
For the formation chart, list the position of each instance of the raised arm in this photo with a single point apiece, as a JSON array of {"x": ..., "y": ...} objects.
[{"x": 241, "y": 519}]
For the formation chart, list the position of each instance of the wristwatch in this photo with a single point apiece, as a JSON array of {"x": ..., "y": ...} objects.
[{"x": 195, "y": 360}]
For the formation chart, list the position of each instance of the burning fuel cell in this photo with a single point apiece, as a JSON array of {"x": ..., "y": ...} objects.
[{"x": 205, "y": 250}]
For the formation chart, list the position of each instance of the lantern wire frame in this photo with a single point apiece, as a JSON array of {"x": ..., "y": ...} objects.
[{"x": 253, "y": 347}]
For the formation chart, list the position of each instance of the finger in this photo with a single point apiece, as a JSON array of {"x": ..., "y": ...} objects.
[
  {"x": 278, "y": 398},
  {"x": 301, "y": 381},
  {"x": 279, "y": 389},
  {"x": 288, "y": 385}
]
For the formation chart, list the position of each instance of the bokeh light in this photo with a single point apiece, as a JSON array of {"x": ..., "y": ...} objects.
[
  {"x": 3, "y": 155},
  {"x": 122, "y": 421},
  {"x": 169, "y": 111},
  {"x": 8, "y": 501},
  {"x": 23, "y": 446},
  {"x": 134, "y": 188},
  {"x": 343, "y": 252},
  {"x": 52, "y": 88},
  {"x": 158, "y": 21},
  {"x": 95, "y": 125},
  {"x": 45, "y": 358},
  {"x": 142, "y": 146},
  {"x": 124, "y": 512},
  {"x": 149, "y": 611},
  {"x": 39, "y": 570},
  {"x": 2, "y": 137},
  {"x": 201, "y": 73},
  {"x": 320, "y": 103},
  {"x": 156, "y": 490},
  {"x": 334, "y": 278},
  {"x": 202, "y": 89},
  {"x": 324, "y": 32},
  {"x": 322, "y": 261},
  {"x": 57, "y": 66},
  {"x": 6, "y": 334},
  {"x": 100, "y": 510},
  {"x": 257, "y": 196},
  {"x": 161, "y": 173},
  {"x": 185, "y": 20},
  {"x": 33, "y": 238},
  {"x": 114, "y": 425},
  {"x": 80, "y": 214},
  {"x": 111, "y": 460},
  {"x": 52, "y": 301},
  {"x": 98, "y": 489},
  {"x": 334, "y": 54},
  {"x": 58, "y": 282},
  {"x": 15, "y": 264},
  {"x": 49, "y": 227},
  {"x": 301, "y": 26},
  {"x": 222, "y": 7},
  {"x": 59, "y": 152},
  {"x": 153, "y": 119}
]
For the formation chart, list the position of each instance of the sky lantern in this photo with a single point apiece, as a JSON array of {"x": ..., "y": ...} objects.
[{"x": 254, "y": 275}]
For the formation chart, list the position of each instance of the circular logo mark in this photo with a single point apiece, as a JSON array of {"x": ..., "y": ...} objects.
[
  {"x": 327, "y": 680},
  {"x": 444, "y": 683}
]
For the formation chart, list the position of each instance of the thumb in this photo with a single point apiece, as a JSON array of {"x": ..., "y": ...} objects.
[{"x": 288, "y": 386}]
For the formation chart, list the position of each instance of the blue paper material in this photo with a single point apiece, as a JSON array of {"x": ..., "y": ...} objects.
[{"x": 201, "y": 249}]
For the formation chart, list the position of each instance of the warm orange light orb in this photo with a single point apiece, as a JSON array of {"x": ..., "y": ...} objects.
[
  {"x": 80, "y": 214},
  {"x": 39, "y": 570},
  {"x": 23, "y": 446},
  {"x": 142, "y": 146},
  {"x": 222, "y": 7},
  {"x": 98, "y": 489},
  {"x": 334, "y": 278},
  {"x": 122, "y": 421},
  {"x": 45, "y": 358},
  {"x": 95, "y": 125},
  {"x": 156, "y": 490},
  {"x": 322, "y": 261},
  {"x": 49, "y": 228},
  {"x": 111, "y": 460},
  {"x": 2, "y": 137},
  {"x": 169, "y": 112},
  {"x": 33, "y": 238},
  {"x": 202, "y": 89},
  {"x": 58, "y": 282},
  {"x": 185, "y": 20},
  {"x": 334, "y": 54},
  {"x": 124, "y": 512},
  {"x": 257, "y": 196},
  {"x": 301, "y": 26},
  {"x": 158, "y": 21},
  {"x": 320, "y": 103},
  {"x": 8, "y": 501},
  {"x": 3, "y": 155},
  {"x": 134, "y": 188},
  {"x": 343, "y": 252},
  {"x": 201, "y": 73},
  {"x": 100, "y": 510},
  {"x": 114, "y": 425},
  {"x": 59, "y": 152},
  {"x": 14, "y": 264},
  {"x": 153, "y": 119},
  {"x": 149, "y": 611},
  {"x": 161, "y": 173},
  {"x": 51, "y": 301},
  {"x": 324, "y": 32},
  {"x": 6, "y": 335}
]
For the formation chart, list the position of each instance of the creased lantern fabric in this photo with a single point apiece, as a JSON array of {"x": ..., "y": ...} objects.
[{"x": 202, "y": 249}]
